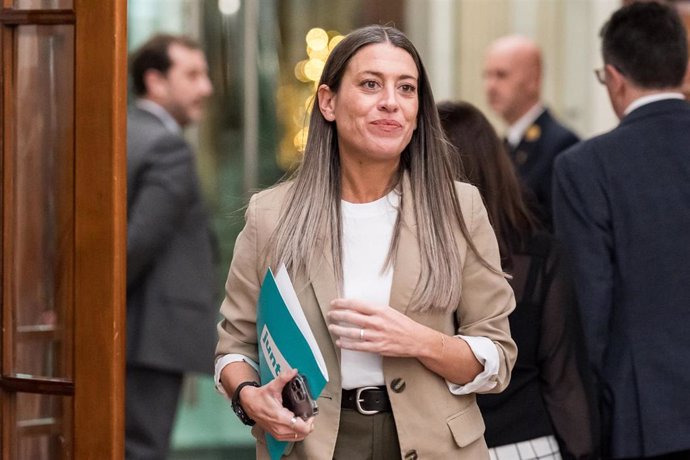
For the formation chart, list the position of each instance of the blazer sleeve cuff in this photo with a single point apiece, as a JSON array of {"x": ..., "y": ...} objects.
[
  {"x": 223, "y": 361},
  {"x": 486, "y": 353}
]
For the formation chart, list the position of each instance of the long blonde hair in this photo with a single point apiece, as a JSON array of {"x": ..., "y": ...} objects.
[{"x": 313, "y": 203}]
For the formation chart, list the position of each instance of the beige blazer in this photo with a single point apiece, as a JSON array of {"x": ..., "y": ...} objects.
[{"x": 431, "y": 422}]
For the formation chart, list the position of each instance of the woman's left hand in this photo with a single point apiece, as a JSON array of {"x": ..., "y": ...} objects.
[{"x": 364, "y": 326}]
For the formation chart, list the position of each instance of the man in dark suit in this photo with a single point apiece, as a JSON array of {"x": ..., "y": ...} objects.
[
  {"x": 622, "y": 208},
  {"x": 171, "y": 289},
  {"x": 512, "y": 80}
]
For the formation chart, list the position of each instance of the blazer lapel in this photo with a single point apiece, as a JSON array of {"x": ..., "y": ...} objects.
[
  {"x": 530, "y": 139},
  {"x": 322, "y": 278},
  {"x": 407, "y": 266}
]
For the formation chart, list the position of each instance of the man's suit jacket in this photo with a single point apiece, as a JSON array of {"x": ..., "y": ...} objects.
[
  {"x": 429, "y": 419},
  {"x": 171, "y": 287},
  {"x": 534, "y": 156},
  {"x": 622, "y": 207}
]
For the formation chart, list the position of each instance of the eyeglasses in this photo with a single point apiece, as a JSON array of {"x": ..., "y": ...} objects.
[{"x": 600, "y": 73}]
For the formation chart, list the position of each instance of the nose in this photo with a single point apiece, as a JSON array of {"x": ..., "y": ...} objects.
[
  {"x": 389, "y": 99},
  {"x": 205, "y": 86}
]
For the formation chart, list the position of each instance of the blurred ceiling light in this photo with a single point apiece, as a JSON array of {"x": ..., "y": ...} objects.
[
  {"x": 321, "y": 53},
  {"x": 296, "y": 102},
  {"x": 300, "y": 139},
  {"x": 309, "y": 103},
  {"x": 334, "y": 41},
  {"x": 299, "y": 72},
  {"x": 313, "y": 69},
  {"x": 317, "y": 38},
  {"x": 229, "y": 7}
]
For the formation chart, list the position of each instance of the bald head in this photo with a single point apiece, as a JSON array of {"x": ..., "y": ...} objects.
[{"x": 512, "y": 76}]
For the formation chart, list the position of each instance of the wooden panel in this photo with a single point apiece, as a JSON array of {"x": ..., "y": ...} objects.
[
  {"x": 40, "y": 263},
  {"x": 100, "y": 228},
  {"x": 14, "y": 17},
  {"x": 6, "y": 143},
  {"x": 43, "y": 429},
  {"x": 43, "y": 4},
  {"x": 47, "y": 386},
  {"x": 37, "y": 205},
  {"x": 7, "y": 191}
]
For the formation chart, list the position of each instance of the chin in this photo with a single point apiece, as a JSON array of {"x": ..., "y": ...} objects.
[
  {"x": 193, "y": 118},
  {"x": 389, "y": 154}
]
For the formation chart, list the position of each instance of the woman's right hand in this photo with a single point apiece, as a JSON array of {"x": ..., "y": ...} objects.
[{"x": 265, "y": 406}]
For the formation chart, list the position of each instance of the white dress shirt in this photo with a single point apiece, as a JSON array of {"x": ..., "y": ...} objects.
[
  {"x": 516, "y": 131},
  {"x": 644, "y": 100}
]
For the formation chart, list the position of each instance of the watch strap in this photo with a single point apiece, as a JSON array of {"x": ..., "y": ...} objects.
[{"x": 237, "y": 406}]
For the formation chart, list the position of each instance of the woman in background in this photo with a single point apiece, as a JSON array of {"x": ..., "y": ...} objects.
[{"x": 545, "y": 403}]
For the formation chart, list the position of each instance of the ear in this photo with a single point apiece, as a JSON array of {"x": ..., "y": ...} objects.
[
  {"x": 615, "y": 78},
  {"x": 326, "y": 102},
  {"x": 156, "y": 84}
]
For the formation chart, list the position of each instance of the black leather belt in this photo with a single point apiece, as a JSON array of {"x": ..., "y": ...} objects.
[{"x": 366, "y": 400}]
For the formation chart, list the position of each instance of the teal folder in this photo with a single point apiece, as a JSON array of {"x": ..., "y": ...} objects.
[{"x": 286, "y": 341}]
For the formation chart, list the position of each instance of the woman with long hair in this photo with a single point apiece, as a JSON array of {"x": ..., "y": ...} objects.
[
  {"x": 545, "y": 403},
  {"x": 395, "y": 265}
]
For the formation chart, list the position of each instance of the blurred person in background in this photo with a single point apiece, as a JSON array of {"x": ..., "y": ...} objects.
[
  {"x": 512, "y": 82},
  {"x": 622, "y": 209},
  {"x": 171, "y": 283},
  {"x": 545, "y": 403}
]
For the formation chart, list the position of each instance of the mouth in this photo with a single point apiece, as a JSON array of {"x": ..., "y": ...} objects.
[{"x": 387, "y": 125}]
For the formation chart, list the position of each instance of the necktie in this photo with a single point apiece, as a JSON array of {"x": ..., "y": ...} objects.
[{"x": 508, "y": 147}]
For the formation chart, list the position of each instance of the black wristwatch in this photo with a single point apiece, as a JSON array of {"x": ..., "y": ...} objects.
[{"x": 237, "y": 407}]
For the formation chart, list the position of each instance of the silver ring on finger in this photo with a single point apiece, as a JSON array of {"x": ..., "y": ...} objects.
[
  {"x": 293, "y": 420},
  {"x": 361, "y": 334}
]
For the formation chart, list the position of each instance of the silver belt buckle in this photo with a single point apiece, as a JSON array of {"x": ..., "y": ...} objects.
[{"x": 358, "y": 401}]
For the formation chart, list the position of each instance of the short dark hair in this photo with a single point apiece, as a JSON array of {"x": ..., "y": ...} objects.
[
  {"x": 154, "y": 54},
  {"x": 647, "y": 42}
]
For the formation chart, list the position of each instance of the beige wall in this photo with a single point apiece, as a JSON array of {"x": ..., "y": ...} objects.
[{"x": 567, "y": 31}]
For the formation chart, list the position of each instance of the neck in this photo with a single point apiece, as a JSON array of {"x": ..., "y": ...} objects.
[
  {"x": 155, "y": 100},
  {"x": 512, "y": 118},
  {"x": 633, "y": 93},
  {"x": 168, "y": 108},
  {"x": 364, "y": 183}
]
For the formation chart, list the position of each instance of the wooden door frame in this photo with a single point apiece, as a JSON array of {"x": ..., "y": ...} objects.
[
  {"x": 100, "y": 224},
  {"x": 100, "y": 227}
]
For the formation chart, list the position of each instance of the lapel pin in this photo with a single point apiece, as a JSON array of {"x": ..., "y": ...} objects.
[{"x": 533, "y": 133}]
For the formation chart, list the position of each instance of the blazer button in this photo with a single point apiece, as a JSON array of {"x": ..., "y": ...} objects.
[
  {"x": 411, "y": 455},
  {"x": 398, "y": 385}
]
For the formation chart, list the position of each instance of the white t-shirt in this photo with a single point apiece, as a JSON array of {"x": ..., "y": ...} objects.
[{"x": 367, "y": 233}]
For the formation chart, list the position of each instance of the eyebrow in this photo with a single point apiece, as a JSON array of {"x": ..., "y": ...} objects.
[{"x": 381, "y": 75}]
